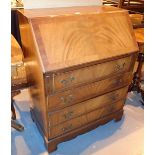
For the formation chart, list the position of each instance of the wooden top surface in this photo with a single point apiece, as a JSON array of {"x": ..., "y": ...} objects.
[
  {"x": 64, "y": 11},
  {"x": 75, "y": 36},
  {"x": 16, "y": 52},
  {"x": 139, "y": 33}
]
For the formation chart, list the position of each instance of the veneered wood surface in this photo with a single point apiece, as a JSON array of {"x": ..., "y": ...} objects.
[
  {"x": 139, "y": 33},
  {"x": 34, "y": 72},
  {"x": 68, "y": 40},
  {"x": 66, "y": 43},
  {"x": 65, "y": 80},
  {"x": 18, "y": 74},
  {"x": 136, "y": 18},
  {"x": 51, "y": 144},
  {"x": 86, "y": 106},
  {"x": 84, "y": 119},
  {"x": 79, "y": 94},
  {"x": 16, "y": 51}
]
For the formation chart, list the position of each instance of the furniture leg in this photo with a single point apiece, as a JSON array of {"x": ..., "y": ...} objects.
[
  {"x": 135, "y": 85},
  {"x": 118, "y": 117},
  {"x": 14, "y": 124},
  {"x": 13, "y": 110}
]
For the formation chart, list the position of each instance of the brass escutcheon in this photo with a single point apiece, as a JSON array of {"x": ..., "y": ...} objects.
[
  {"x": 114, "y": 97},
  {"x": 67, "y": 99},
  {"x": 68, "y": 115},
  {"x": 67, "y": 81},
  {"x": 119, "y": 67}
]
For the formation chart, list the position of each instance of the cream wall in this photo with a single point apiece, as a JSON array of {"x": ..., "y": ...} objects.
[{"x": 29, "y": 4}]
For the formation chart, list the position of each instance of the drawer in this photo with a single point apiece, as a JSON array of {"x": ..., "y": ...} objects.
[
  {"x": 79, "y": 94},
  {"x": 94, "y": 115},
  {"x": 59, "y": 81},
  {"x": 84, "y": 119},
  {"x": 86, "y": 106}
]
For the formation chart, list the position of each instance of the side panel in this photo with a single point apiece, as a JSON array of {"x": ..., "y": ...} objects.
[{"x": 34, "y": 72}]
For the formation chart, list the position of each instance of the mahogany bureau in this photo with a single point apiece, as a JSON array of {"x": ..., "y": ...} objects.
[{"x": 79, "y": 61}]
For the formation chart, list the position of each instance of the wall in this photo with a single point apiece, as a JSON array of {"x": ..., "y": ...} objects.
[{"x": 29, "y": 4}]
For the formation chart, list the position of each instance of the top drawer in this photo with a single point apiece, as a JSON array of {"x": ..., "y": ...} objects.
[{"x": 59, "y": 81}]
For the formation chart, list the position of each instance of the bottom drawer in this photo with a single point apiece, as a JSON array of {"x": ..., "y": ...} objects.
[{"x": 84, "y": 119}]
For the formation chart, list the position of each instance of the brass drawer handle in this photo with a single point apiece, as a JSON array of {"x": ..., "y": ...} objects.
[
  {"x": 120, "y": 67},
  {"x": 67, "y": 81},
  {"x": 67, "y": 99},
  {"x": 64, "y": 129},
  {"x": 68, "y": 115},
  {"x": 119, "y": 81}
]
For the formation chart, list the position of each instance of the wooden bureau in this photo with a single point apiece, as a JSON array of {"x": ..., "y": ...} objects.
[{"x": 79, "y": 61}]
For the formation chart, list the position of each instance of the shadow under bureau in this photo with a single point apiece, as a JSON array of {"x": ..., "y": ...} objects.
[{"x": 79, "y": 61}]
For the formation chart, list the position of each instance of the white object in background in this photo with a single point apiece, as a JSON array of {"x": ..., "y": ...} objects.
[{"x": 34, "y": 4}]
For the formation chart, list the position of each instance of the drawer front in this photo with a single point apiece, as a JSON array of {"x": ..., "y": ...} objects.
[
  {"x": 84, "y": 119},
  {"x": 94, "y": 115},
  {"x": 79, "y": 94},
  {"x": 59, "y": 81},
  {"x": 86, "y": 106}
]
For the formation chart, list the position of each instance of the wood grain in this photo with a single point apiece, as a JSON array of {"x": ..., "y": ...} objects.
[
  {"x": 75, "y": 56},
  {"x": 18, "y": 73},
  {"x": 51, "y": 144},
  {"x": 79, "y": 94},
  {"x": 69, "y": 40},
  {"x": 34, "y": 72},
  {"x": 86, "y": 106},
  {"x": 16, "y": 51},
  {"x": 139, "y": 33},
  {"x": 84, "y": 119},
  {"x": 89, "y": 74}
]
